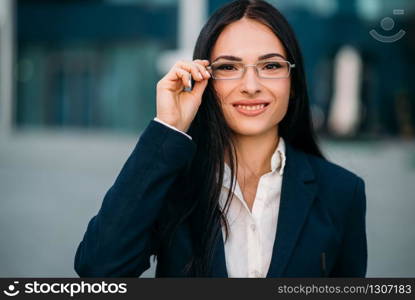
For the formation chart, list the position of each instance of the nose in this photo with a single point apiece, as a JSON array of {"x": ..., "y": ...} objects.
[{"x": 250, "y": 81}]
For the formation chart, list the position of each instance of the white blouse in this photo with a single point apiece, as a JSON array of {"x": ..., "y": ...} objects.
[{"x": 248, "y": 250}]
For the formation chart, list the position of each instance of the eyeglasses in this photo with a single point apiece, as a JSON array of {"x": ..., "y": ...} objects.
[{"x": 270, "y": 69}]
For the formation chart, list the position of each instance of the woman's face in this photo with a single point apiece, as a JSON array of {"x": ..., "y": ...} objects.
[{"x": 248, "y": 39}]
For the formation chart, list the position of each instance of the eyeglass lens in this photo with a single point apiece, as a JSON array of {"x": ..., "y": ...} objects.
[{"x": 266, "y": 69}]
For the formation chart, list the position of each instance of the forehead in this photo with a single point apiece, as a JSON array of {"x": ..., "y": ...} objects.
[{"x": 247, "y": 39}]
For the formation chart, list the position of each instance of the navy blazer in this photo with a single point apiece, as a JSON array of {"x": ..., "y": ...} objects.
[{"x": 322, "y": 210}]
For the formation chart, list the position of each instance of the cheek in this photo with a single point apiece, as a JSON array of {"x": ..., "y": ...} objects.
[
  {"x": 222, "y": 91},
  {"x": 281, "y": 94},
  {"x": 281, "y": 88},
  {"x": 226, "y": 96}
]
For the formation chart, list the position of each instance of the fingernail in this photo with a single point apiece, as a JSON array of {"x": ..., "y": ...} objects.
[
  {"x": 207, "y": 73},
  {"x": 200, "y": 75}
]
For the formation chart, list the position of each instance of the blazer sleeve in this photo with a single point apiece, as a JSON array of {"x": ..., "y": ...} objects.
[
  {"x": 120, "y": 239},
  {"x": 352, "y": 260}
]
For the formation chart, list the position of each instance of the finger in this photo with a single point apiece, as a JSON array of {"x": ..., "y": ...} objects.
[
  {"x": 199, "y": 88},
  {"x": 204, "y": 62},
  {"x": 191, "y": 68},
  {"x": 175, "y": 74},
  {"x": 184, "y": 76},
  {"x": 202, "y": 68}
]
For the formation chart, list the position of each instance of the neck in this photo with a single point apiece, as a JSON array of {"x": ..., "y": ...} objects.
[{"x": 255, "y": 152}]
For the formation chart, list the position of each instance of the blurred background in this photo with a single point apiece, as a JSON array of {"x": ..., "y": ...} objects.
[{"x": 77, "y": 87}]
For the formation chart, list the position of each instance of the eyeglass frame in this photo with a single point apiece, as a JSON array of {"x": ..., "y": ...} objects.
[{"x": 245, "y": 66}]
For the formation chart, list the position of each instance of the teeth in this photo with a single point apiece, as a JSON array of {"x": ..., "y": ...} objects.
[{"x": 251, "y": 107}]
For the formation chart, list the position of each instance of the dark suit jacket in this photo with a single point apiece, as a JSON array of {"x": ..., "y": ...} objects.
[{"x": 322, "y": 209}]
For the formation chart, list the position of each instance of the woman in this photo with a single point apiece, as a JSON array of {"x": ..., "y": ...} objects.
[{"x": 228, "y": 180}]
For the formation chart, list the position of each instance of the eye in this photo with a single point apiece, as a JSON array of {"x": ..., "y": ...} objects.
[
  {"x": 273, "y": 65},
  {"x": 226, "y": 67}
]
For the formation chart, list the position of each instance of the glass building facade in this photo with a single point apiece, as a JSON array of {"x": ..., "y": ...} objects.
[{"x": 93, "y": 64}]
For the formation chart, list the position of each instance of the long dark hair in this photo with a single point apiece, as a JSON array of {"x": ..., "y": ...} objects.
[{"x": 202, "y": 180}]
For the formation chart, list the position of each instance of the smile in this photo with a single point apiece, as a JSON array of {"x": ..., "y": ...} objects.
[{"x": 251, "y": 110}]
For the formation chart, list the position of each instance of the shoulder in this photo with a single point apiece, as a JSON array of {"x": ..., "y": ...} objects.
[
  {"x": 336, "y": 184},
  {"x": 327, "y": 171}
]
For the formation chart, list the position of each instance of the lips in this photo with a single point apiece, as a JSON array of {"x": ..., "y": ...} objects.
[
  {"x": 251, "y": 108},
  {"x": 250, "y": 102}
]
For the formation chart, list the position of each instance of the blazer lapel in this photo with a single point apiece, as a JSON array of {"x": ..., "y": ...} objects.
[{"x": 297, "y": 194}]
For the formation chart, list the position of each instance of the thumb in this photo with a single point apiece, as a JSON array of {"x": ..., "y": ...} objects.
[{"x": 199, "y": 88}]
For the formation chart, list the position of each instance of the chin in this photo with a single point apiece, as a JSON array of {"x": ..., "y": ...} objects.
[{"x": 250, "y": 128}]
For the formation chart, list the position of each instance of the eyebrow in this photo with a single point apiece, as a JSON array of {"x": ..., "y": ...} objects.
[{"x": 235, "y": 58}]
